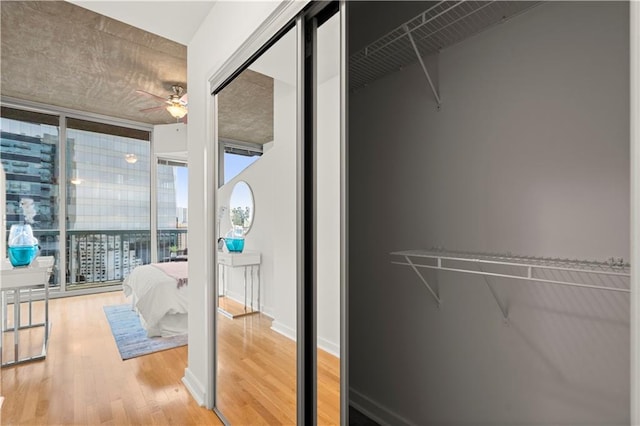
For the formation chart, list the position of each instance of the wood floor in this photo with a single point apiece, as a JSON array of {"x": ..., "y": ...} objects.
[
  {"x": 83, "y": 380},
  {"x": 257, "y": 375}
]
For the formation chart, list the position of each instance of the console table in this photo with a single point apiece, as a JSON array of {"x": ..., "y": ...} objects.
[
  {"x": 15, "y": 280},
  {"x": 250, "y": 262}
]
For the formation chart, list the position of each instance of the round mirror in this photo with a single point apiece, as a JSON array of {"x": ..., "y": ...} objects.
[{"x": 241, "y": 206}]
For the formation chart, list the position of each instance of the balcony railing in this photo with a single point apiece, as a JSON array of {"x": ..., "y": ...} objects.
[
  {"x": 49, "y": 242},
  {"x": 171, "y": 242},
  {"x": 98, "y": 257},
  {"x": 106, "y": 257}
]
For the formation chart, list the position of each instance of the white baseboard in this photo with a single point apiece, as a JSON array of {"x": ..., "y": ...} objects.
[
  {"x": 267, "y": 311},
  {"x": 376, "y": 411},
  {"x": 290, "y": 333},
  {"x": 236, "y": 297},
  {"x": 285, "y": 330},
  {"x": 239, "y": 298},
  {"x": 195, "y": 388},
  {"x": 329, "y": 346}
]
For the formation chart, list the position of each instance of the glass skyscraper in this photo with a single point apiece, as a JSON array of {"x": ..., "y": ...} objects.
[{"x": 108, "y": 196}]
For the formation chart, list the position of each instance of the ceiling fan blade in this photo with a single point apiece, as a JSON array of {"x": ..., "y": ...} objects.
[
  {"x": 158, "y": 108},
  {"x": 184, "y": 99},
  {"x": 151, "y": 95}
]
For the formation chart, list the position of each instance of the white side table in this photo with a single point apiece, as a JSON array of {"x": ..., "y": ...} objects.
[
  {"x": 250, "y": 262},
  {"x": 17, "y": 279}
]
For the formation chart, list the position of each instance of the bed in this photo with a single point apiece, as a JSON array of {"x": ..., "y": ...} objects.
[{"x": 158, "y": 293}]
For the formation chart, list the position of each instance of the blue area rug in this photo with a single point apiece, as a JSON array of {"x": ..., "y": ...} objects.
[{"x": 131, "y": 338}]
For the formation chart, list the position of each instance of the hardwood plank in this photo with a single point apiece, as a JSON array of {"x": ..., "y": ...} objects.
[
  {"x": 233, "y": 308},
  {"x": 84, "y": 381},
  {"x": 93, "y": 418},
  {"x": 257, "y": 374}
]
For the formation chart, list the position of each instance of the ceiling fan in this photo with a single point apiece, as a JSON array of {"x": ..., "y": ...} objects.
[{"x": 175, "y": 104}]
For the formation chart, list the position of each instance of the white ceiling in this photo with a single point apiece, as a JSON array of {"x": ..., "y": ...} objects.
[{"x": 174, "y": 20}]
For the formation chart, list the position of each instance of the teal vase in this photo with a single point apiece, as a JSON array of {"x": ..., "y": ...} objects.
[{"x": 23, "y": 246}]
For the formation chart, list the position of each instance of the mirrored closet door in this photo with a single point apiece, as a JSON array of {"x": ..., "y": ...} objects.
[
  {"x": 326, "y": 82},
  {"x": 258, "y": 240},
  {"x": 279, "y": 311}
]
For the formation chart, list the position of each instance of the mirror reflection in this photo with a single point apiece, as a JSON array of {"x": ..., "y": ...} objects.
[
  {"x": 256, "y": 326},
  {"x": 241, "y": 207},
  {"x": 257, "y": 304},
  {"x": 328, "y": 220}
]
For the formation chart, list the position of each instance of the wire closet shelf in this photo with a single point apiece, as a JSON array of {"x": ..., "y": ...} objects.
[
  {"x": 443, "y": 24},
  {"x": 588, "y": 274},
  {"x": 543, "y": 270}
]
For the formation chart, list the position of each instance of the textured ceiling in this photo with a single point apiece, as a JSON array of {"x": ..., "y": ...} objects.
[
  {"x": 246, "y": 108},
  {"x": 57, "y": 53}
]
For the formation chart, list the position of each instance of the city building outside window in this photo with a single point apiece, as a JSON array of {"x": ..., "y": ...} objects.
[
  {"x": 29, "y": 146},
  {"x": 172, "y": 202},
  {"x": 108, "y": 202},
  {"x": 100, "y": 229}
]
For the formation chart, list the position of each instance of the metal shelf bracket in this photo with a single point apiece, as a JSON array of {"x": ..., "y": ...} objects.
[
  {"x": 424, "y": 281},
  {"x": 424, "y": 67},
  {"x": 503, "y": 309}
]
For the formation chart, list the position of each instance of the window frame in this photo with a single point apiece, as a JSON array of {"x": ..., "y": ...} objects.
[
  {"x": 100, "y": 120},
  {"x": 228, "y": 146}
]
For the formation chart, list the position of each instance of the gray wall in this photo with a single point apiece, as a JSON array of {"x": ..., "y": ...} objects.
[{"x": 529, "y": 155}]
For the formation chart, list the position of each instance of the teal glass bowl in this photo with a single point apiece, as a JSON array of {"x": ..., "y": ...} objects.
[
  {"x": 22, "y": 255},
  {"x": 234, "y": 245}
]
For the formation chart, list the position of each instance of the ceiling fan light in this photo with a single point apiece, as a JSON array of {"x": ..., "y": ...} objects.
[
  {"x": 177, "y": 111},
  {"x": 131, "y": 158}
]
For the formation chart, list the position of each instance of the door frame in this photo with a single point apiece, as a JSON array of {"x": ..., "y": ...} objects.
[
  {"x": 287, "y": 16},
  {"x": 287, "y": 11},
  {"x": 634, "y": 153}
]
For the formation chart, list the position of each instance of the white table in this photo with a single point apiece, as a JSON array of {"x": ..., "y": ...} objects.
[
  {"x": 13, "y": 279},
  {"x": 250, "y": 262}
]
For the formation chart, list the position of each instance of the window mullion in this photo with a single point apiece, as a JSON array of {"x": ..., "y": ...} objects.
[
  {"x": 153, "y": 206},
  {"x": 62, "y": 205}
]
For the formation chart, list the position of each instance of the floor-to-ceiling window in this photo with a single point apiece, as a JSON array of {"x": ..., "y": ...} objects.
[
  {"x": 29, "y": 152},
  {"x": 90, "y": 180},
  {"x": 172, "y": 210},
  {"x": 236, "y": 156},
  {"x": 108, "y": 202}
]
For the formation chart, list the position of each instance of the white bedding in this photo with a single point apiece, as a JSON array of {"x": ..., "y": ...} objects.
[{"x": 156, "y": 297}]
